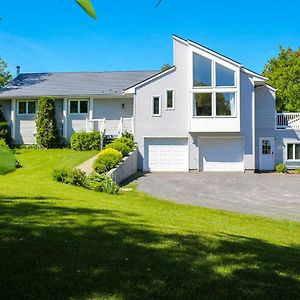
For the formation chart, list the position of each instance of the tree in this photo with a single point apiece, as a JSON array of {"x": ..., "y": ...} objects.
[
  {"x": 283, "y": 73},
  {"x": 5, "y": 76},
  {"x": 165, "y": 67},
  {"x": 47, "y": 133}
]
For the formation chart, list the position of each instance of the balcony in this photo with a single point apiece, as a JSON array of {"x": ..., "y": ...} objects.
[{"x": 288, "y": 121}]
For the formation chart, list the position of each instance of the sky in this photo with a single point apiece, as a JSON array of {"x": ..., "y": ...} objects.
[{"x": 57, "y": 35}]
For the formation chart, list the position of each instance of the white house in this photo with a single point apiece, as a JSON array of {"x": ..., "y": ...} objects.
[{"x": 207, "y": 112}]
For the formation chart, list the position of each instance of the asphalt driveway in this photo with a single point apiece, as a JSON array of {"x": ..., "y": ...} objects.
[{"x": 272, "y": 195}]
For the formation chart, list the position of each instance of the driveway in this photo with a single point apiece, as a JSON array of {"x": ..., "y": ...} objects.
[{"x": 272, "y": 195}]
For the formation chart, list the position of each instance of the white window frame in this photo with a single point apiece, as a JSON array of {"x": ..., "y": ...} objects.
[
  {"x": 294, "y": 151},
  {"x": 159, "y": 106},
  {"x": 78, "y": 106},
  {"x": 173, "y": 99},
  {"x": 26, "y": 113}
]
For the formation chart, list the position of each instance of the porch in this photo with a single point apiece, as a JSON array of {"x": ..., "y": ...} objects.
[{"x": 288, "y": 121}]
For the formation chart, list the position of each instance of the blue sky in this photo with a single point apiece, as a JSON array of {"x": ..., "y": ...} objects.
[{"x": 56, "y": 35}]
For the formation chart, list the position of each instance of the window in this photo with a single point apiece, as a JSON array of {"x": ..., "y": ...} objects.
[
  {"x": 225, "y": 104},
  {"x": 202, "y": 104},
  {"x": 266, "y": 147},
  {"x": 202, "y": 75},
  {"x": 78, "y": 106},
  {"x": 170, "y": 99},
  {"x": 156, "y": 106},
  {"x": 27, "y": 107},
  {"x": 224, "y": 76},
  {"x": 293, "y": 151}
]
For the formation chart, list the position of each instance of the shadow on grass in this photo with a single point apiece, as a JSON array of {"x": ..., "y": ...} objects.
[{"x": 61, "y": 253}]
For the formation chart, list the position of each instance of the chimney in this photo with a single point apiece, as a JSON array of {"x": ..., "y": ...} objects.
[{"x": 18, "y": 70}]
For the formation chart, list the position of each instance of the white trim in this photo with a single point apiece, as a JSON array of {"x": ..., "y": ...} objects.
[
  {"x": 153, "y": 114},
  {"x": 78, "y": 106},
  {"x": 131, "y": 90},
  {"x": 26, "y": 113},
  {"x": 256, "y": 77},
  {"x": 253, "y": 127},
  {"x": 173, "y": 99},
  {"x": 13, "y": 118},
  {"x": 65, "y": 118},
  {"x": 294, "y": 151}
]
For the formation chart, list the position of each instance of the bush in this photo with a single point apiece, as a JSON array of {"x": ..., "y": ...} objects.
[
  {"x": 108, "y": 159},
  {"x": 4, "y": 127},
  {"x": 281, "y": 168},
  {"x": 126, "y": 141},
  {"x": 297, "y": 171},
  {"x": 102, "y": 183},
  {"x": 128, "y": 135},
  {"x": 123, "y": 148},
  {"x": 47, "y": 135},
  {"x": 7, "y": 161},
  {"x": 85, "y": 141},
  {"x": 3, "y": 143},
  {"x": 74, "y": 177}
]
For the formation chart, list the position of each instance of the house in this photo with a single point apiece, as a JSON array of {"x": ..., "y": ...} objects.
[{"x": 207, "y": 112}]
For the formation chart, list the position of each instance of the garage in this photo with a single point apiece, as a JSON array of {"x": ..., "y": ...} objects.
[
  {"x": 166, "y": 154},
  {"x": 27, "y": 130},
  {"x": 221, "y": 154}
]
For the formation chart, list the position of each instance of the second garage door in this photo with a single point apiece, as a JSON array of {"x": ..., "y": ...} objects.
[
  {"x": 166, "y": 154},
  {"x": 221, "y": 154}
]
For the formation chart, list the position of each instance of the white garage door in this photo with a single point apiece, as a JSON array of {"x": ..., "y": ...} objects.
[
  {"x": 166, "y": 154},
  {"x": 27, "y": 131},
  {"x": 221, "y": 154}
]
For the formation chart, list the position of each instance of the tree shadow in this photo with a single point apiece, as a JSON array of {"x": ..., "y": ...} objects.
[{"x": 56, "y": 252}]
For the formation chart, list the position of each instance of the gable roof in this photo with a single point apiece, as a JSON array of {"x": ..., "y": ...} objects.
[{"x": 73, "y": 83}]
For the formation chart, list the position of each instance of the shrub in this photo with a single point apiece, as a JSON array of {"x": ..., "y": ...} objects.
[
  {"x": 297, "y": 171},
  {"x": 126, "y": 141},
  {"x": 102, "y": 183},
  {"x": 47, "y": 135},
  {"x": 7, "y": 161},
  {"x": 3, "y": 144},
  {"x": 85, "y": 141},
  {"x": 108, "y": 159},
  {"x": 123, "y": 148},
  {"x": 74, "y": 177},
  {"x": 128, "y": 135},
  {"x": 281, "y": 168},
  {"x": 4, "y": 127}
]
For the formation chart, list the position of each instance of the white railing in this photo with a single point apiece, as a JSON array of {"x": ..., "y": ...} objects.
[
  {"x": 125, "y": 124},
  {"x": 96, "y": 124},
  {"x": 288, "y": 120}
]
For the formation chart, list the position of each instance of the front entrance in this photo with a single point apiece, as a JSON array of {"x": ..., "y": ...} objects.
[{"x": 266, "y": 153}]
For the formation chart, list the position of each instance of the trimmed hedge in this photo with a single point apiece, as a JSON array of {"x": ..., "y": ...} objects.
[
  {"x": 85, "y": 141},
  {"x": 107, "y": 160},
  {"x": 118, "y": 145},
  {"x": 127, "y": 141}
]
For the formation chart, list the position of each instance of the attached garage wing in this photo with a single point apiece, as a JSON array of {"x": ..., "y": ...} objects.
[
  {"x": 165, "y": 154},
  {"x": 221, "y": 154}
]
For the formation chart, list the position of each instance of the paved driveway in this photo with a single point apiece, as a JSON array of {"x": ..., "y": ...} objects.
[{"x": 273, "y": 195}]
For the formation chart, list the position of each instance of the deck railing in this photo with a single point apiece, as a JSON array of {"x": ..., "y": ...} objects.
[{"x": 288, "y": 120}]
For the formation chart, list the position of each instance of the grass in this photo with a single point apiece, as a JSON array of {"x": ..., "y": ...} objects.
[
  {"x": 65, "y": 242},
  {"x": 7, "y": 161}
]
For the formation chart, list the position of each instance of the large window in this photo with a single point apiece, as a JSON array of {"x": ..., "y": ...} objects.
[
  {"x": 225, "y": 104},
  {"x": 78, "y": 106},
  {"x": 224, "y": 76},
  {"x": 293, "y": 151},
  {"x": 201, "y": 71},
  {"x": 156, "y": 106},
  {"x": 27, "y": 107},
  {"x": 202, "y": 104}
]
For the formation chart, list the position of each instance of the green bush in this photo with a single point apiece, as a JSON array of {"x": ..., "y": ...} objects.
[
  {"x": 123, "y": 148},
  {"x": 102, "y": 183},
  {"x": 47, "y": 135},
  {"x": 297, "y": 171},
  {"x": 281, "y": 168},
  {"x": 85, "y": 141},
  {"x": 74, "y": 177},
  {"x": 3, "y": 143},
  {"x": 4, "y": 127},
  {"x": 108, "y": 159},
  {"x": 126, "y": 141},
  {"x": 128, "y": 135},
  {"x": 7, "y": 161}
]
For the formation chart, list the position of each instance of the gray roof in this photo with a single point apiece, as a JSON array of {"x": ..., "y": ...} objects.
[{"x": 73, "y": 84}]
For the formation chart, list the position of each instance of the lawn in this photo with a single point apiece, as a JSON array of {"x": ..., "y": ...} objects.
[
  {"x": 7, "y": 161},
  {"x": 64, "y": 242}
]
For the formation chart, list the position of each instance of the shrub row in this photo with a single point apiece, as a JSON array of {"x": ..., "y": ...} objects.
[
  {"x": 85, "y": 141},
  {"x": 95, "y": 182}
]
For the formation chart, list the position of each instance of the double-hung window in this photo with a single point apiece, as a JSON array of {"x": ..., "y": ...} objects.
[
  {"x": 26, "y": 107},
  {"x": 293, "y": 151},
  {"x": 214, "y": 89},
  {"x": 78, "y": 106}
]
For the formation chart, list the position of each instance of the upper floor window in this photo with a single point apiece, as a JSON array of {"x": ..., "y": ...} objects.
[
  {"x": 170, "y": 99},
  {"x": 26, "y": 107},
  {"x": 202, "y": 71},
  {"x": 203, "y": 104},
  {"x": 225, "y": 104},
  {"x": 224, "y": 76},
  {"x": 78, "y": 106},
  {"x": 156, "y": 106},
  {"x": 293, "y": 151}
]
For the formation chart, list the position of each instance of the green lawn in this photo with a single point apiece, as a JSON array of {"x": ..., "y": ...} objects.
[
  {"x": 64, "y": 242},
  {"x": 7, "y": 161}
]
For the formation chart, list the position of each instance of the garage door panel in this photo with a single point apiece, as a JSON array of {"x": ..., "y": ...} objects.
[{"x": 166, "y": 154}]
